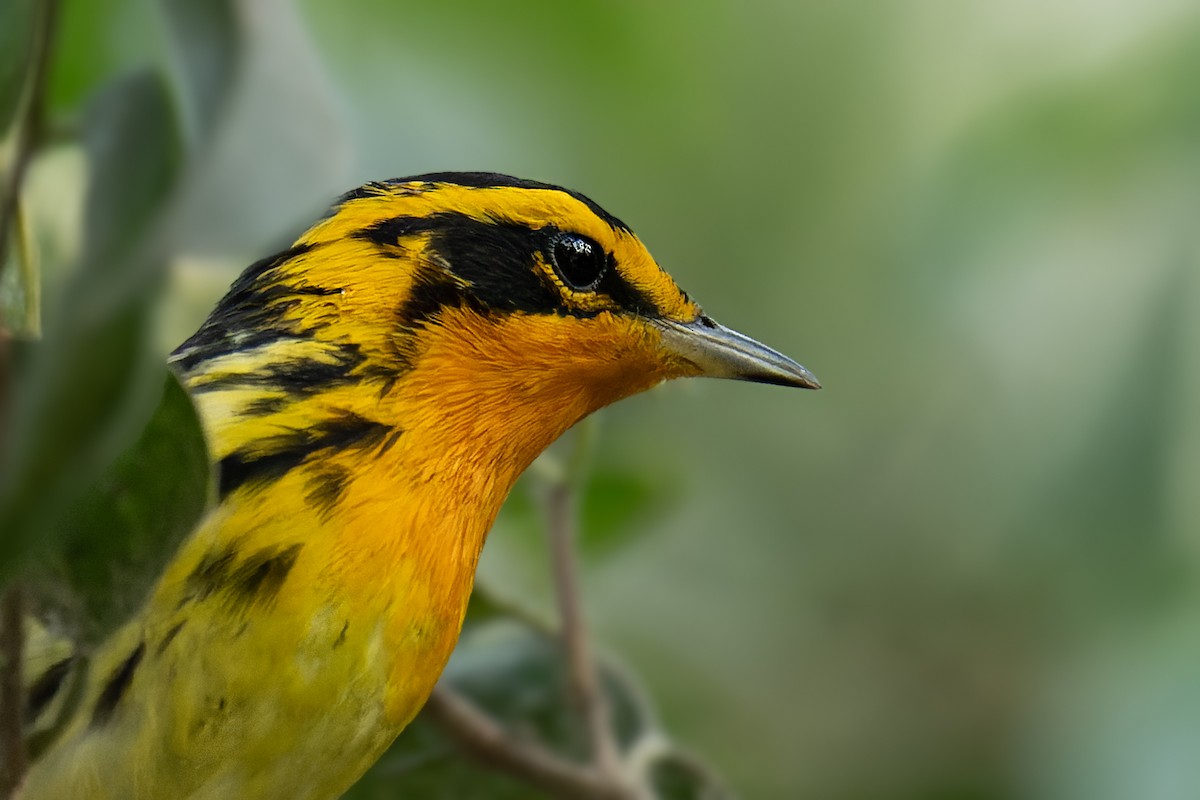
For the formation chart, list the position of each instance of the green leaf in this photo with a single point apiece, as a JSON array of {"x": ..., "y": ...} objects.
[
  {"x": 17, "y": 25},
  {"x": 283, "y": 140},
  {"x": 97, "y": 41},
  {"x": 676, "y": 775},
  {"x": 515, "y": 672},
  {"x": 84, "y": 393},
  {"x": 207, "y": 42},
  {"x": 76, "y": 398},
  {"x": 118, "y": 536},
  {"x": 134, "y": 153},
  {"x": 485, "y": 606}
]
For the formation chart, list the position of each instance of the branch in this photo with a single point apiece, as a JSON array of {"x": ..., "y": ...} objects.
[
  {"x": 581, "y": 668},
  {"x": 29, "y": 120},
  {"x": 12, "y": 691},
  {"x": 12, "y": 605},
  {"x": 490, "y": 744}
]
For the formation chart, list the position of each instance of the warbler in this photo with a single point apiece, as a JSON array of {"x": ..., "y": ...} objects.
[{"x": 369, "y": 396}]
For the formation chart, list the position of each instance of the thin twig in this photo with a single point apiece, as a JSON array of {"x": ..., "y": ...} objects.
[
  {"x": 490, "y": 744},
  {"x": 12, "y": 638},
  {"x": 12, "y": 692},
  {"x": 29, "y": 120},
  {"x": 581, "y": 666},
  {"x": 484, "y": 739},
  {"x": 27, "y": 129}
]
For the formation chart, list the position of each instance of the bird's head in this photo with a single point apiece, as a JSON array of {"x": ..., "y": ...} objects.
[{"x": 466, "y": 301}]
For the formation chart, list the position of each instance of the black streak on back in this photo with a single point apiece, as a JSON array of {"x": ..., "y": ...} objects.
[
  {"x": 325, "y": 488},
  {"x": 257, "y": 578},
  {"x": 297, "y": 377},
  {"x": 46, "y": 687},
  {"x": 168, "y": 638},
  {"x": 116, "y": 686},
  {"x": 260, "y": 577},
  {"x": 209, "y": 574},
  {"x": 252, "y": 307},
  {"x": 289, "y": 450},
  {"x": 341, "y": 639}
]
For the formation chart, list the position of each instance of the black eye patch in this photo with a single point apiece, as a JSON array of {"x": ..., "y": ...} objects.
[
  {"x": 580, "y": 262},
  {"x": 497, "y": 262}
]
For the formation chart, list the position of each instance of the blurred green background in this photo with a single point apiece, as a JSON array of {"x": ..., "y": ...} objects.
[{"x": 965, "y": 570}]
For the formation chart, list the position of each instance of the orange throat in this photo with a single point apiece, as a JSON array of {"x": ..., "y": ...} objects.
[{"x": 390, "y": 528}]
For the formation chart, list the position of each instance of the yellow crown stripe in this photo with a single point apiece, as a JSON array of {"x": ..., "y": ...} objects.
[{"x": 531, "y": 207}]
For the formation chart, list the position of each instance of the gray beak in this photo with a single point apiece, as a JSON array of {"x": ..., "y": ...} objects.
[{"x": 723, "y": 353}]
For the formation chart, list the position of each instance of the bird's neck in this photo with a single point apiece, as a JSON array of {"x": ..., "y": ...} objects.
[
  {"x": 383, "y": 532},
  {"x": 381, "y": 492},
  {"x": 477, "y": 400}
]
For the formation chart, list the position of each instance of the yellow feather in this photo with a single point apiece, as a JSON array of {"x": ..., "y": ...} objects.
[{"x": 365, "y": 451}]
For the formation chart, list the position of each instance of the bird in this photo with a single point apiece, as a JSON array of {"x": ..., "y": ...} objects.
[{"x": 369, "y": 396}]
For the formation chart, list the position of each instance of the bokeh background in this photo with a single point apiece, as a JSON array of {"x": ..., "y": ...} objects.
[{"x": 965, "y": 570}]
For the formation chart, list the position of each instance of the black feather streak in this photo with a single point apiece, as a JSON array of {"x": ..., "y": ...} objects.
[
  {"x": 257, "y": 578},
  {"x": 252, "y": 307},
  {"x": 168, "y": 638},
  {"x": 429, "y": 295},
  {"x": 116, "y": 686},
  {"x": 46, "y": 687},
  {"x": 289, "y": 450},
  {"x": 209, "y": 575},
  {"x": 265, "y": 406},
  {"x": 325, "y": 489},
  {"x": 261, "y": 575},
  {"x": 299, "y": 377},
  {"x": 389, "y": 232}
]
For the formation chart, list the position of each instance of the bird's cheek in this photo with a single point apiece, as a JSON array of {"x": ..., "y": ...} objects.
[{"x": 628, "y": 369}]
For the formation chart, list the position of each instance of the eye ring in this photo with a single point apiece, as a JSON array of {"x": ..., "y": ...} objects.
[{"x": 579, "y": 261}]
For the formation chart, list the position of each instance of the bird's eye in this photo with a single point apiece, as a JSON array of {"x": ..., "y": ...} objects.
[{"x": 580, "y": 262}]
